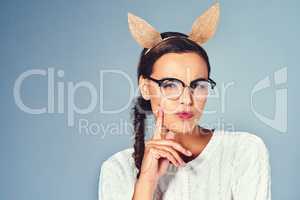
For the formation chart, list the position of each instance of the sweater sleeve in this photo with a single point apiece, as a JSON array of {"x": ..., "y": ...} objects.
[
  {"x": 252, "y": 172},
  {"x": 112, "y": 182}
]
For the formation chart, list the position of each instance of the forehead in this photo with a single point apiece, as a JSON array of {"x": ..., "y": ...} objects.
[{"x": 184, "y": 66}]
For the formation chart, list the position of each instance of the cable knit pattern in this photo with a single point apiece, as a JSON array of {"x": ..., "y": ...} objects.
[{"x": 232, "y": 166}]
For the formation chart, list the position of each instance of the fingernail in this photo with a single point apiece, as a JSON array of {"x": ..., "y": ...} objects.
[
  {"x": 190, "y": 153},
  {"x": 160, "y": 107},
  {"x": 158, "y": 111}
]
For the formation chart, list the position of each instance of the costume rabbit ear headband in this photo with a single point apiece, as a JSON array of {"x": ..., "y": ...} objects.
[{"x": 203, "y": 29}]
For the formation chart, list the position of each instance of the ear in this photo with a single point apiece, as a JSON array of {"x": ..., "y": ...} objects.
[
  {"x": 204, "y": 27},
  {"x": 144, "y": 88},
  {"x": 145, "y": 34}
]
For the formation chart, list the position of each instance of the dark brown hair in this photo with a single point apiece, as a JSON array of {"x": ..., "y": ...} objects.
[{"x": 142, "y": 107}]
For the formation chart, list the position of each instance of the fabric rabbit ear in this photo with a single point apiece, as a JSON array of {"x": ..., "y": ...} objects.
[
  {"x": 205, "y": 25},
  {"x": 143, "y": 32}
]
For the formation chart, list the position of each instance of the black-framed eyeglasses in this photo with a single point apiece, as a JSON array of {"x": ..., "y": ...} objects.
[{"x": 172, "y": 88}]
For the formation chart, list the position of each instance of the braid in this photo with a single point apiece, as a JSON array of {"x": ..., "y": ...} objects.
[{"x": 139, "y": 130}]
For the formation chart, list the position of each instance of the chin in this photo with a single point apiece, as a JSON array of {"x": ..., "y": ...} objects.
[{"x": 184, "y": 126}]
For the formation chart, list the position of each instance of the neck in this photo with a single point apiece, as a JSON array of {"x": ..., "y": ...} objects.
[{"x": 195, "y": 141}]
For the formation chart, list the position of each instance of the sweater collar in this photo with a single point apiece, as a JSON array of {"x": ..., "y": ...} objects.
[{"x": 203, "y": 157}]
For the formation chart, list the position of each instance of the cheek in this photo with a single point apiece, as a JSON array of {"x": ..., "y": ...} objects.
[
  {"x": 156, "y": 99},
  {"x": 199, "y": 105},
  {"x": 169, "y": 107}
]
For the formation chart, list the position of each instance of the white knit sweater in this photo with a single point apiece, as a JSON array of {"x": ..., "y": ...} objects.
[{"x": 232, "y": 166}]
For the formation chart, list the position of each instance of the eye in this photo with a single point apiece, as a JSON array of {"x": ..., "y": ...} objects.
[
  {"x": 169, "y": 84},
  {"x": 202, "y": 85}
]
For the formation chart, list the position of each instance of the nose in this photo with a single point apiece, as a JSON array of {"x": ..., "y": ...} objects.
[{"x": 186, "y": 96}]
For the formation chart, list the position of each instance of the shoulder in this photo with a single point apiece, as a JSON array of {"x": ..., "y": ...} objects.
[
  {"x": 243, "y": 146},
  {"x": 120, "y": 156},
  {"x": 121, "y": 163},
  {"x": 242, "y": 139},
  {"x": 248, "y": 149},
  {"x": 249, "y": 141},
  {"x": 117, "y": 176}
]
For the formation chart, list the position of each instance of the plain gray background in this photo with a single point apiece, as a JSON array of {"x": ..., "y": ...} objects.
[{"x": 43, "y": 158}]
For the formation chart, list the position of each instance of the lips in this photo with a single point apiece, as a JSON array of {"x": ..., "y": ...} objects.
[{"x": 185, "y": 115}]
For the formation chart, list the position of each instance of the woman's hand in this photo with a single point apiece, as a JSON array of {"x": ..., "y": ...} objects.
[{"x": 160, "y": 151}]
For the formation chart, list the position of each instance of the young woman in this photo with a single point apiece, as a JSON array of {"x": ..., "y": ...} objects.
[{"x": 182, "y": 160}]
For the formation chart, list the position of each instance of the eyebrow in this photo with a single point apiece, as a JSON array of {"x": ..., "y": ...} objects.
[{"x": 200, "y": 78}]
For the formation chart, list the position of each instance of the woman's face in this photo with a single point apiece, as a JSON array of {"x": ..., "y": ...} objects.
[{"x": 185, "y": 67}]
